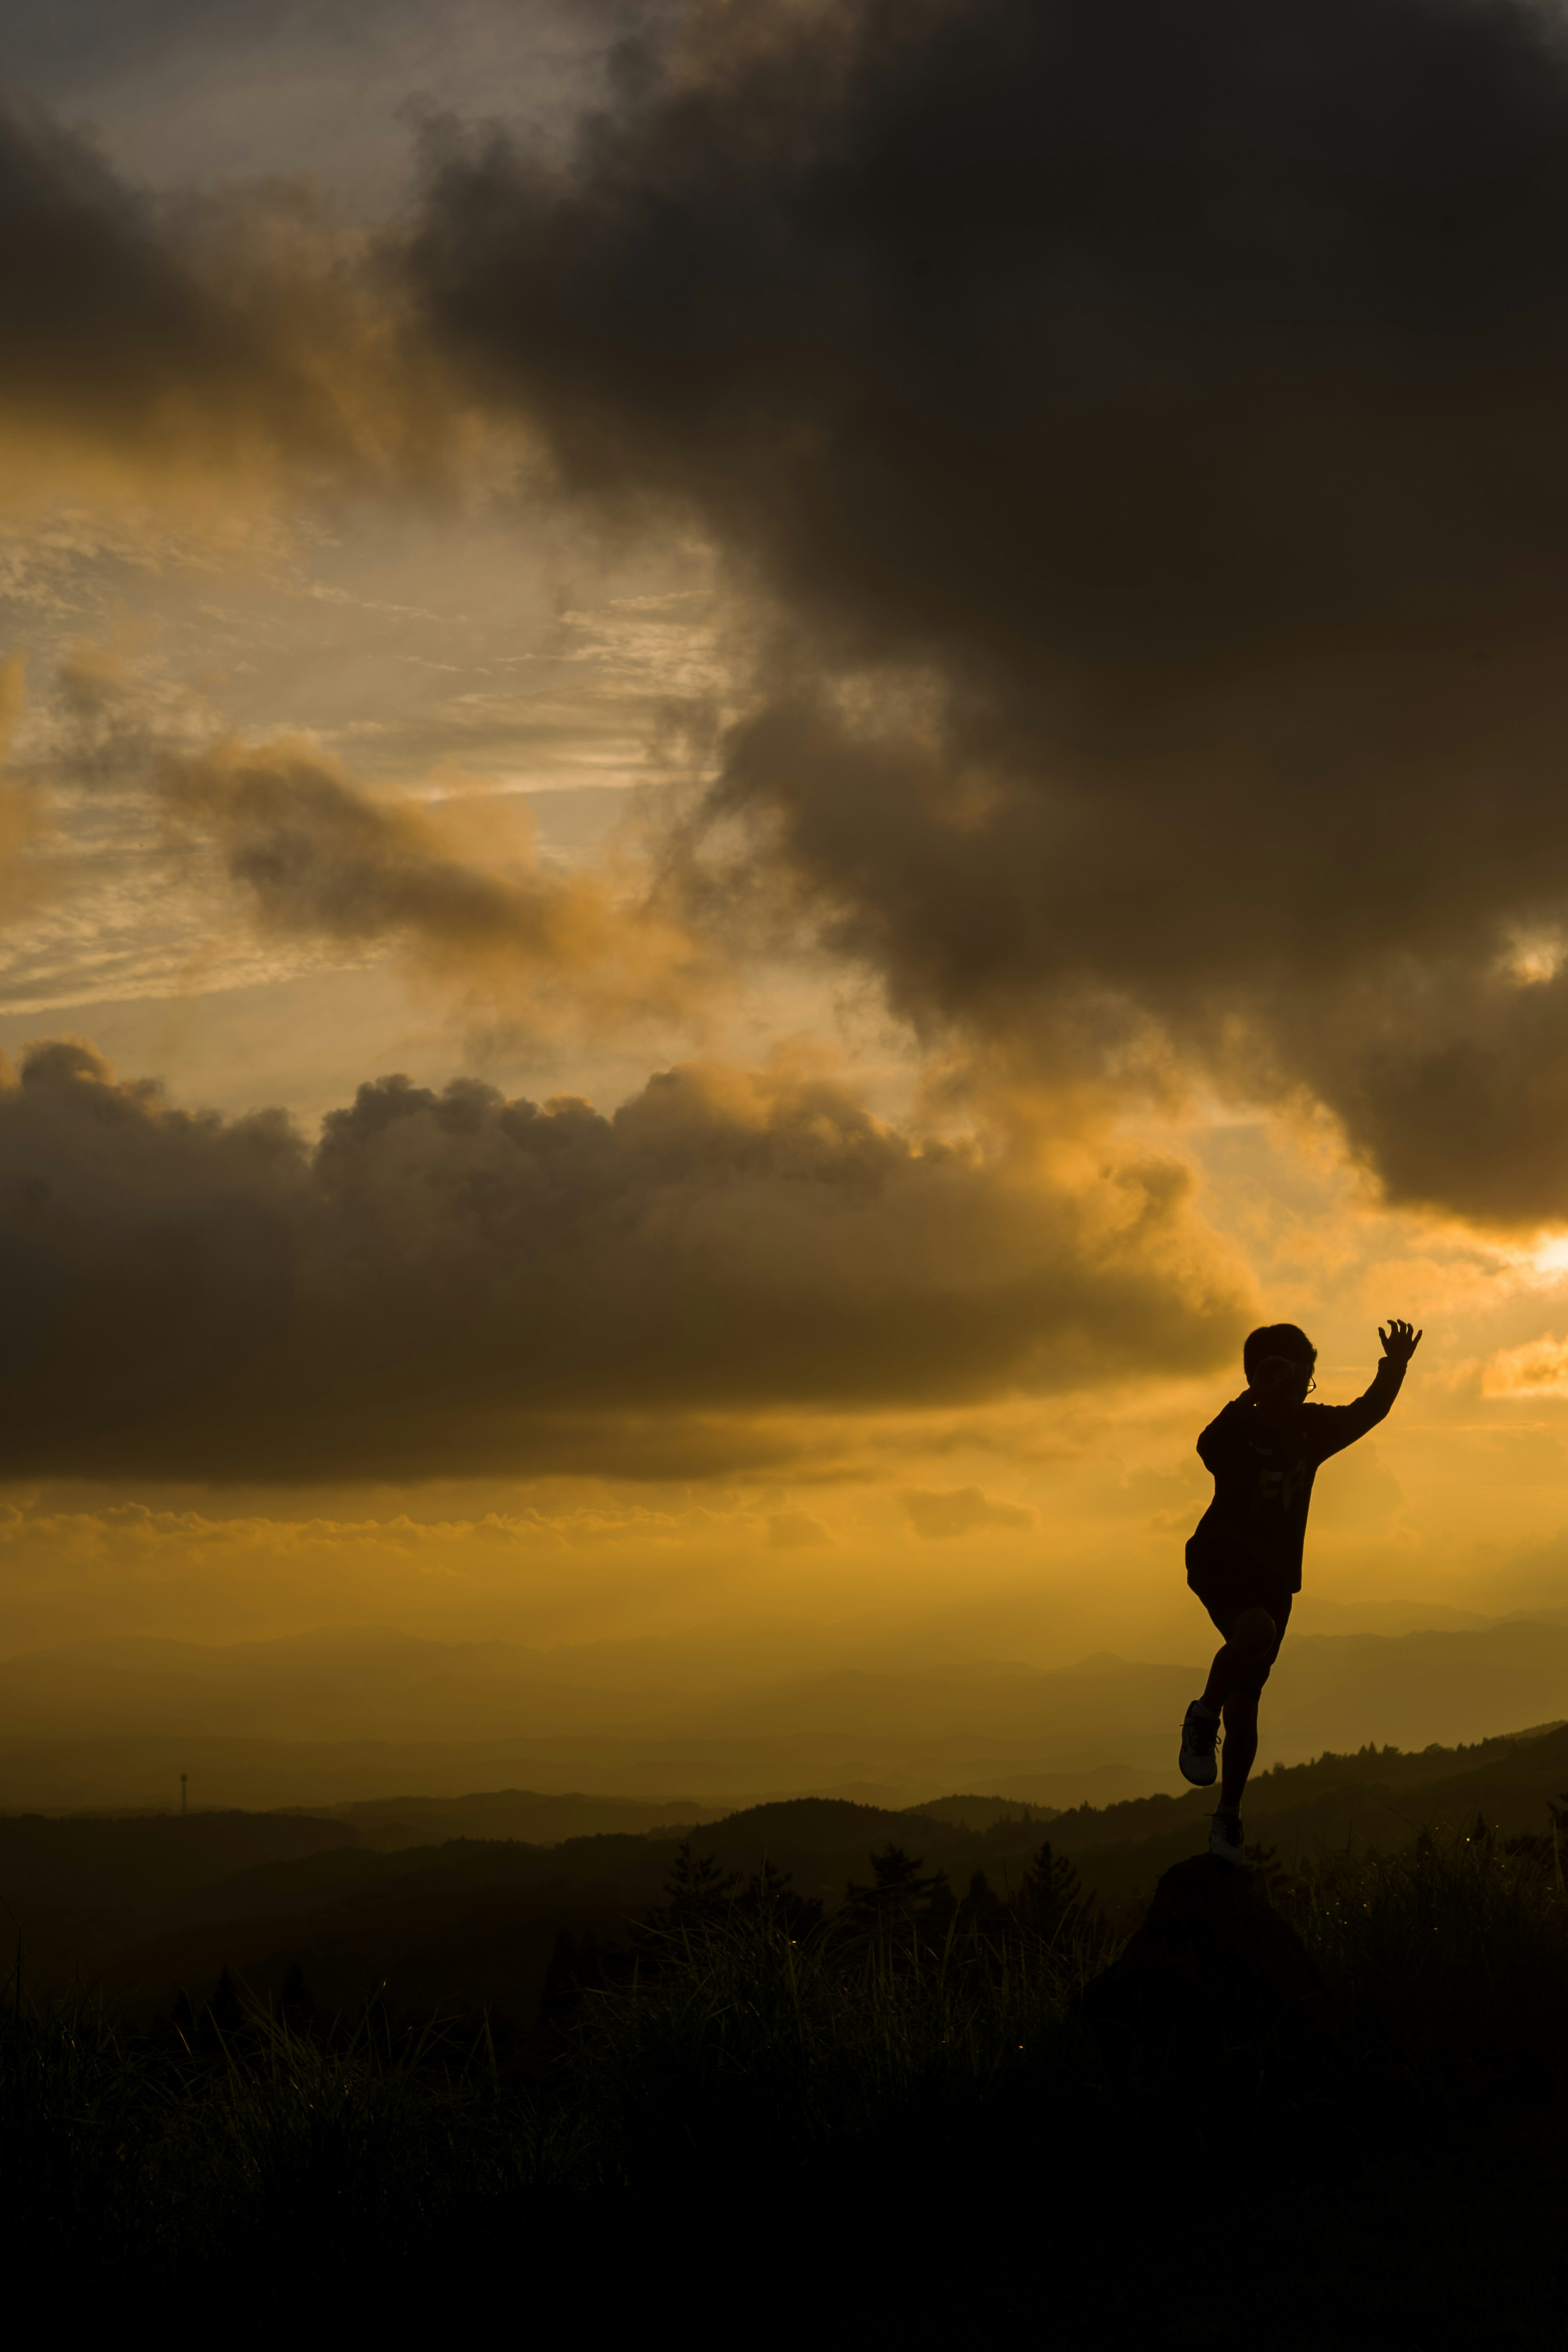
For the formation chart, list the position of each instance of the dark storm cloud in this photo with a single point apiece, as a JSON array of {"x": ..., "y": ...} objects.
[
  {"x": 235, "y": 335},
  {"x": 457, "y": 1283},
  {"x": 1147, "y": 429},
  {"x": 97, "y": 313}
]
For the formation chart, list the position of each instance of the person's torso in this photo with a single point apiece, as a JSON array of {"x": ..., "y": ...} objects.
[
  {"x": 1282, "y": 1484},
  {"x": 1263, "y": 1488}
]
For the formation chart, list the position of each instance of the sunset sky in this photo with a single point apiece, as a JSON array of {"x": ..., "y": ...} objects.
[{"x": 757, "y": 757}]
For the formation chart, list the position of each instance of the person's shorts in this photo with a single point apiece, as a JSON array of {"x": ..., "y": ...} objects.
[{"x": 1228, "y": 1582}]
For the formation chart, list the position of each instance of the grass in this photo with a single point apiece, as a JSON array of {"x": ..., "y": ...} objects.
[
  {"x": 124, "y": 2156},
  {"x": 1449, "y": 1959},
  {"x": 837, "y": 2090},
  {"x": 742, "y": 2041}
]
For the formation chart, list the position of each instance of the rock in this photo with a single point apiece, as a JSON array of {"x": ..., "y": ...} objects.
[{"x": 1212, "y": 1967}]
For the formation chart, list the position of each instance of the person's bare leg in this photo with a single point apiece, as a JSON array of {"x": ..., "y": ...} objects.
[
  {"x": 1239, "y": 1751},
  {"x": 1254, "y": 1638}
]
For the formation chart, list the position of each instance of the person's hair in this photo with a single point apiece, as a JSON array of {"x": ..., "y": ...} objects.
[{"x": 1277, "y": 1340}]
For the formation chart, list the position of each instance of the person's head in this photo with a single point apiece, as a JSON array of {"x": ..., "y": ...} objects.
[{"x": 1278, "y": 1360}]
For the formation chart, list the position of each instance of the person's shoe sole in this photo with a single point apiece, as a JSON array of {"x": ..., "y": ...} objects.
[{"x": 1197, "y": 1764}]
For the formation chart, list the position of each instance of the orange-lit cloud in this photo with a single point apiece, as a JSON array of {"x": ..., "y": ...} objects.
[
  {"x": 1539, "y": 1368},
  {"x": 316, "y": 856},
  {"x": 452, "y": 883}
]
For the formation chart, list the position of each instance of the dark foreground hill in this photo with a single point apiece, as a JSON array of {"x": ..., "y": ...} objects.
[
  {"x": 1376, "y": 1800},
  {"x": 867, "y": 2126}
]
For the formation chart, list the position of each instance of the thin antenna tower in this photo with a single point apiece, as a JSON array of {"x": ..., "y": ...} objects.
[{"x": 183, "y": 1777}]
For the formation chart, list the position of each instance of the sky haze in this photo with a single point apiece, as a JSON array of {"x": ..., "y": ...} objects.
[{"x": 755, "y": 761}]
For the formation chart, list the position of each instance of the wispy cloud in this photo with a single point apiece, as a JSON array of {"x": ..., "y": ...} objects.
[
  {"x": 1539, "y": 1368},
  {"x": 938, "y": 1513}
]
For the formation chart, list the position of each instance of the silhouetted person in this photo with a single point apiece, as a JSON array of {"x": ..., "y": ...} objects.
[{"x": 1244, "y": 1560}]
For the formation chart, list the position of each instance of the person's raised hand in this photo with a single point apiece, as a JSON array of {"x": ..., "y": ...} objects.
[{"x": 1399, "y": 1342}]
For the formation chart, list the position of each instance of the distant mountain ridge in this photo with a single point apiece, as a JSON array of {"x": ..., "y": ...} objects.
[{"x": 355, "y": 1714}]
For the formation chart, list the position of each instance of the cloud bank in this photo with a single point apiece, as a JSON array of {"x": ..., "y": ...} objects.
[
  {"x": 456, "y": 1283},
  {"x": 1144, "y": 430}
]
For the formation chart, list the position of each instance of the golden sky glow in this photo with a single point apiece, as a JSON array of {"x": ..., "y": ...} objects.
[{"x": 716, "y": 844}]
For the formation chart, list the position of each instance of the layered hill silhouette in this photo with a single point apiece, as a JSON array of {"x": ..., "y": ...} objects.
[{"x": 150, "y": 1909}]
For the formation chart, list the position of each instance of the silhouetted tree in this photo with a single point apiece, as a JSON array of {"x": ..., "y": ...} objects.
[
  {"x": 897, "y": 1897},
  {"x": 225, "y": 2008},
  {"x": 297, "y": 2008},
  {"x": 1052, "y": 1909},
  {"x": 982, "y": 1908},
  {"x": 697, "y": 1890},
  {"x": 1050, "y": 1895},
  {"x": 769, "y": 1895},
  {"x": 941, "y": 1911},
  {"x": 579, "y": 1965},
  {"x": 562, "y": 1984},
  {"x": 1009, "y": 1831},
  {"x": 1547, "y": 1848}
]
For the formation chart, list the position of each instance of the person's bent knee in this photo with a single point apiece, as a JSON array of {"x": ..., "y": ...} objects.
[{"x": 1255, "y": 1630}]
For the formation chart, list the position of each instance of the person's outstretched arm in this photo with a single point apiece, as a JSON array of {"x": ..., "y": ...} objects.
[{"x": 1335, "y": 1426}]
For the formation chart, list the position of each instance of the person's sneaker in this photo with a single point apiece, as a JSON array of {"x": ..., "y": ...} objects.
[
  {"x": 1225, "y": 1836},
  {"x": 1198, "y": 1732}
]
